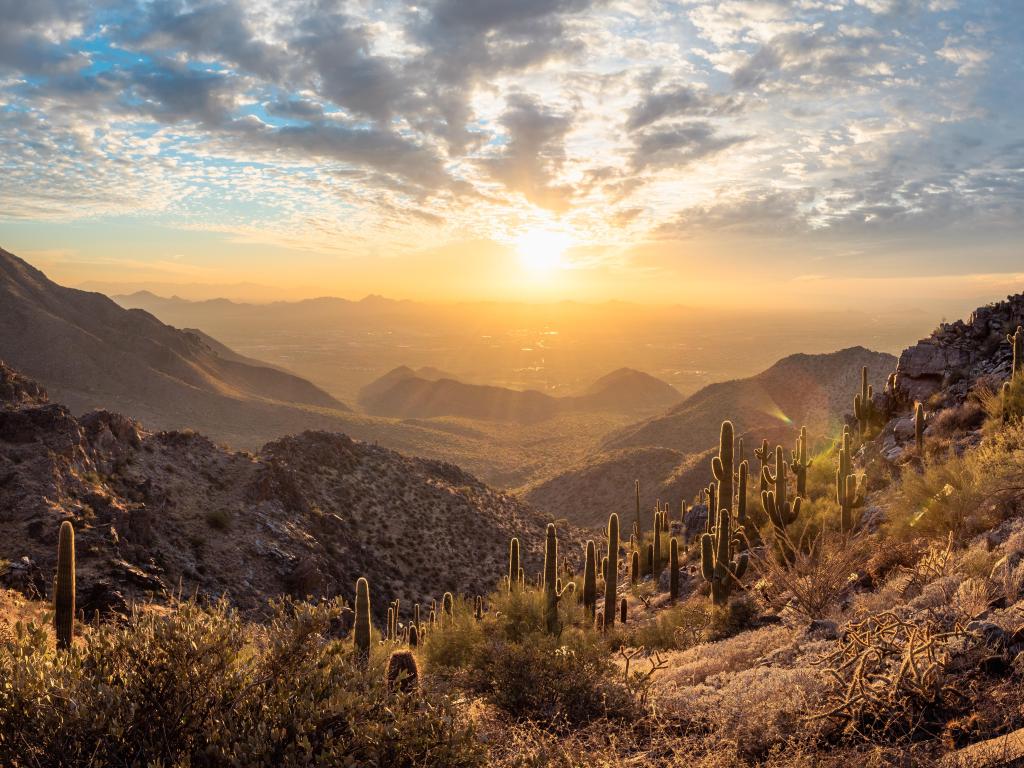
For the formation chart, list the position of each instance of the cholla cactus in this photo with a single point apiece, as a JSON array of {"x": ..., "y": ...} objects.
[
  {"x": 611, "y": 577},
  {"x": 551, "y": 580},
  {"x": 64, "y": 588},
  {"x": 800, "y": 463},
  {"x": 1017, "y": 340},
  {"x": 720, "y": 563},
  {"x": 590, "y": 579},
  {"x": 361, "y": 632},
  {"x": 863, "y": 407}
]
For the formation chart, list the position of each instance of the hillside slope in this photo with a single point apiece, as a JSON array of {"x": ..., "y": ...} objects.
[{"x": 305, "y": 515}]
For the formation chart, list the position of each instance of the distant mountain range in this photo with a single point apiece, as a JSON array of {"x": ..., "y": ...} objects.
[
  {"x": 405, "y": 393},
  {"x": 670, "y": 453}
]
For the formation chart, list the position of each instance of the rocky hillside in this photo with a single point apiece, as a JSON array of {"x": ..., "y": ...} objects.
[
  {"x": 669, "y": 453},
  {"x": 305, "y": 515},
  {"x": 404, "y": 393}
]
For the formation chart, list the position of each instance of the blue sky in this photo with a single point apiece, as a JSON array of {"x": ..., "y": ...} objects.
[{"x": 329, "y": 145}]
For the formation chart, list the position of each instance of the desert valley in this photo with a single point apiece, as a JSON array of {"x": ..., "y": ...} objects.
[{"x": 555, "y": 383}]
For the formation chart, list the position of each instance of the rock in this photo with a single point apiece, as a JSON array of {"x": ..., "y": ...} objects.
[
  {"x": 103, "y": 598},
  {"x": 696, "y": 521}
]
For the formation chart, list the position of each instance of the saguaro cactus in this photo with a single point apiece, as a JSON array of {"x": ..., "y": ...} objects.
[
  {"x": 622, "y": 610},
  {"x": 649, "y": 565},
  {"x": 673, "y": 564},
  {"x": 763, "y": 456},
  {"x": 1004, "y": 406},
  {"x": 638, "y": 528},
  {"x": 513, "y": 564},
  {"x": 448, "y": 607},
  {"x": 863, "y": 407},
  {"x": 611, "y": 578},
  {"x": 414, "y": 636},
  {"x": 391, "y": 623},
  {"x": 722, "y": 466},
  {"x": 717, "y": 562},
  {"x": 64, "y": 588},
  {"x": 634, "y": 567},
  {"x": 361, "y": 632},
  {"x": 1017, "y": 340},
  {"x": 846, "y": 483},
  {"x": 800, "y": 463},
  {"x": 590, "y": 579},
  {"x": 920, "y": 422},
  {"x": 657, "y": 545},
  {"x": 550, "y": 581},
  {"x": 775, "y": 502}
]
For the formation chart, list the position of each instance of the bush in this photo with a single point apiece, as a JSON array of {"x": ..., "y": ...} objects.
[{"x": 198, "y": 686}]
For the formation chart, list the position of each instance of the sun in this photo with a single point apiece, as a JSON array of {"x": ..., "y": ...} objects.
[{"x": 541, "y": 250}]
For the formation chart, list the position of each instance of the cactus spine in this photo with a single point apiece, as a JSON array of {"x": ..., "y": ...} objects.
[
  {"x": 863, "y": 408},
  {"x": 513, "y": 564},
  {"x": 611, "y": 577},
  {"x": 775, "y": 502},
  {"x": 362, "y": 625},
  {"x": 673, "y": 574},
  {"x": 590, "y": 579},
  {"x": 64, "y": 589},
  {"x": 1017, "y": 340},
  {"x": 800, "y": 463},
  {"x": 717, "y": 563},
  {"x": 920, "y": 421},
  {"x": 550, "y": 580}
]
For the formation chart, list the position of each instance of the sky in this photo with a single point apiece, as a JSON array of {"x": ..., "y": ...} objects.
[{"x": 742, "y": 152}]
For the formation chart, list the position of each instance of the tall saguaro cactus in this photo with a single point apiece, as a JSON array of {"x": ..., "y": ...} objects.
[
  {"x": 800, "y": 463},
  {"x": 611, "y": 577},
  {"x": 763, "y": 456},
  {"x": 1017, "y": 340},
  {"x": 64, "y": 588},
  {"x": 719, "y": 563},
  {"x": 657, "y": 545},
  {"x": 846, "y": 483},
  {"x": 673, "y": 564},
  {"x": 634, "y": 567},
  {"x": 863, "y": 407},
  {"x": 776, "y": 503},
  {"x": 513, "y": 564},
  {"x": 361, "y": 633},
  {"x": 590, "y": 579},
  {"x": 722, "y": 466},
  {"x": 550, "y": 580}
]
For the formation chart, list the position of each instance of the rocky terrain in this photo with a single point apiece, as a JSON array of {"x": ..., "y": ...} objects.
[
  {"x": 305, "y": 515},
  {"x": 403, "y": 393}
]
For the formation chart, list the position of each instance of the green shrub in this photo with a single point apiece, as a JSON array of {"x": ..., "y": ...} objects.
[{"x": 198, "y": 686}]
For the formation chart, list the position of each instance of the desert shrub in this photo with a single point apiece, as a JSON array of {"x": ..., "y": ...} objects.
[
  {"x": 197, "y": 686},
  {"x": 951, "y": 422},
  {"x": 556, "y": 681},
  {"x": 816, "y": 575},
  {"x": 676, "y": 628},
  {"x": 742, "y": 651},
  {"x": 944, "y": 498}
]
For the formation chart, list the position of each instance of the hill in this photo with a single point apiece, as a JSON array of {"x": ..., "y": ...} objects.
[
  {"x": 669, "y": 453},
  {"x": 305, "y": 515},
  {"x": 404, "y": 393}
]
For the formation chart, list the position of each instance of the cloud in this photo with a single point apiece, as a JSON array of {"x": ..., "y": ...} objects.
[{"x": 679, "y": 145}]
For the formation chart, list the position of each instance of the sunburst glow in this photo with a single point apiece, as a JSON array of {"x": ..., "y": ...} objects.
[{"x": 542, "y": 251}]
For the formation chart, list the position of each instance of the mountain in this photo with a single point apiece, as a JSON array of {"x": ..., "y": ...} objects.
[
  {"x": 404, "y": 393},
  {"x": 810, "y": 390},
  {"x": 670, "y": 454},
  {"x": 306, "y": 514}
]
